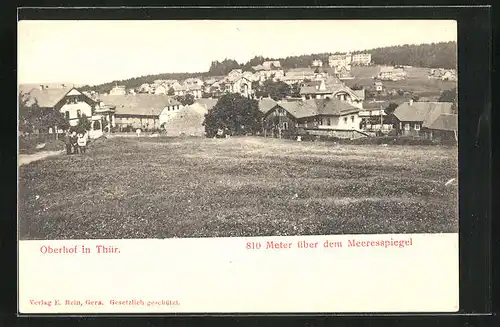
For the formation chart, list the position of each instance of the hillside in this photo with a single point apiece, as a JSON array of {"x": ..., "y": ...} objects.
[
  {"x": 138, "y": 81},
  {"x": 434, "y": 55}
]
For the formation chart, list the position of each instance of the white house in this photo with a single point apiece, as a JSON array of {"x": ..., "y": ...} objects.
[
  {"x": 171, "y": 108},
  {"x": 118, "y": 90},
  {"x": 74, "y": 104}
]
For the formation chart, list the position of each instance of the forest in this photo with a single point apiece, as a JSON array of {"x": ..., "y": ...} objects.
[{"x": 433, "y": 55}]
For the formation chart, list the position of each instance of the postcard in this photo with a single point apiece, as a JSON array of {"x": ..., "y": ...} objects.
[{"x": 237, "y": 166}]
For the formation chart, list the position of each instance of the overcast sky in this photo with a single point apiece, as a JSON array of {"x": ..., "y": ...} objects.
[{"x": 94, "y": 52}]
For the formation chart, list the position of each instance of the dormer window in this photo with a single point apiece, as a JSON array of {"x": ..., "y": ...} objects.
[{"x": 79, "y": 113}]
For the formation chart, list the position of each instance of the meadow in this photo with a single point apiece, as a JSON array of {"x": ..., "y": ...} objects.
[
  {"x": 416, "y": 81},
  {"x": 242, "y": 186}
]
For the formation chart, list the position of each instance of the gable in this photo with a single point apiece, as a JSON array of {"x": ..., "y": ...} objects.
[{"x": 74, "y": 92}]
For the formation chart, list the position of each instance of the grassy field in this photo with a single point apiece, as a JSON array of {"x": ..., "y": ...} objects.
[
  {"x": 197, "y": 187},
  {"x": 416, "y": 82}
]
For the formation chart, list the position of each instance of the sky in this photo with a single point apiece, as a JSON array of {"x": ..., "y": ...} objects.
[{"x": 95, "y": 52}]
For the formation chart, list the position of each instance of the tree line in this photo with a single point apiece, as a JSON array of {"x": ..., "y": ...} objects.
[
  {"x": 432, "y": 55},
  {"x": 136, "y": 82}
]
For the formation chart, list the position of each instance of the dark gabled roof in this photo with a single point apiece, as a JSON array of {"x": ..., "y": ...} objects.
[
  {"x": 334, "y": 107},
  {"x": 315, "y": 107},
  {"x": 445, "y": 122},
  {"x": 425, "y": 112},
  {"x": 266, "y": 104},
  {"x": 46, "y": 98},
  {"x": 300, "y": 108},
  {"x": 139, "y": 104}
]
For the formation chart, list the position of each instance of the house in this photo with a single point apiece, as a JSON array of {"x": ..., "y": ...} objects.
[
  {"x": 361, "y": 59},
  {"x": 268, "y": 70},
  {"x": 161, "y": 89},
  {"x": 315, "y": 90},
  {"x": 193, "y": 81},
  {"x": 443, "y": 128},
  {"x": 217, "y": 89},
  {"x": 342, "y": 60},
  {"x": 443, "y": 74},
  {"x": 238, "y": 84},
  {"x": 189, "y": 119},
  {"x": 390, "y": 73},
  {"x": 171, "y": 108},
  {"x": 449, "y": 75},
  {"x": 379, "y": 87},
  {"x": 328, "y": 117},
  {"x": 413, "y": 116},
  {"x": 145, "y": 88},
  {"x": 196, "y": 90},
  {"x": 73, "y": 104},
  {"x": 343, "y": 72},
  {"x": 335, "y": 88},
  {"x": 322, "y": 117},
  {"x": 375, "y": 119},
  {"x": 269, "y": 65},
  {"x": 317, "y": 63},
  {"x": 258, "y": 68},
  {"x": 137, "y": 111},
  {"x": 298, "y": 75},
  {"x": 234, "y": 73},
  {"x": 118, "y": 90},
  {"x": 179, "y": 90},
  {"x": 210, "y": 82},
  {"x": 274, "y": 74}
]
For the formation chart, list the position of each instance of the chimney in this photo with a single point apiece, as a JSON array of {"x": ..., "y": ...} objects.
[
  {"x": 411, "y": 102},
  {"x": 42, "y": 86},
  {"x": 63, "y": 86}
]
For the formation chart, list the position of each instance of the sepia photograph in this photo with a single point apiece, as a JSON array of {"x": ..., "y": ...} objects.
[{"x": 215, "y": 129}]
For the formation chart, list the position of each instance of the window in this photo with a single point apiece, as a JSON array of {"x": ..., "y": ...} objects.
[
  {"x": 417, "y": 126},
  {"x": 329, "y": 121},
  {"x": 66, "y": 114},
  {"x": 285, "y": 125},
  {"x": 345, "y": 120},
  {"x": 79, "y": 113},
  {"x": 407, "y": 127},
  {"x": 352, "y": 119}
]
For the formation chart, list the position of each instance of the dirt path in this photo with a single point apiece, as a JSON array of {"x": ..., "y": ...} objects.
[{"x": 27, "y": 158}]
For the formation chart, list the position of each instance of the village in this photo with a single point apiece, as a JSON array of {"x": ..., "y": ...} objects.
[
  {"x": 248, "y": 138},
  {"x": 327, "y": 99}
]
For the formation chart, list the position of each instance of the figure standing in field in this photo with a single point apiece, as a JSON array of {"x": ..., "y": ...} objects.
[
  {"x": 67, "y": 142},
  {"x": 74, "y": 142},
  {"x": 82, "y": 142}
]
